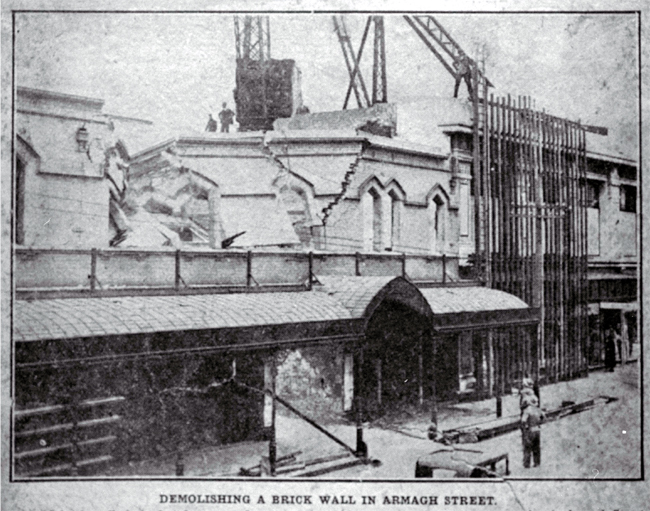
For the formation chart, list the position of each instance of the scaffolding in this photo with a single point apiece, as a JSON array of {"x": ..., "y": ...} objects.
[{"x": 531, "y": 222}]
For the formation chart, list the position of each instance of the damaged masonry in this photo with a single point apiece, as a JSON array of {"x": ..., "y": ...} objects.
[{"x": 206, "y": 294}]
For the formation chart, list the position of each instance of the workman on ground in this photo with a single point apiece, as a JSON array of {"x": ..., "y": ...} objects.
[{"x": 531, "y": 420}]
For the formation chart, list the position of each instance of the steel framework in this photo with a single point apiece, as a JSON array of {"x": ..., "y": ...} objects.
[
  {"x": 253, "y": 37},
  {"x": 352, "y": 62},
  {"x": 531, "y": 179}
]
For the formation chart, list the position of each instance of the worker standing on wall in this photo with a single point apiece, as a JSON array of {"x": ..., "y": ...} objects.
[
  {"x": 531, "y": 421},
  {"x": 212, "y": 124},
  {"x": 226, "y": 116}
]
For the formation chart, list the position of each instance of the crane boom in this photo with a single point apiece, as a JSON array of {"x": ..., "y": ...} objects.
[{"x": 447, "y": 51}]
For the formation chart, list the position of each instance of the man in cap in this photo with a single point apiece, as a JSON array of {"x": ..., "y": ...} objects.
[
  {"x": 525, "y": 393},
  {"x": 531, "y": 420}
]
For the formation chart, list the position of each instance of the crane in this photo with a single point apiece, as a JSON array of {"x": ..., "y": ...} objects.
[
  {"x": 265, "y": 88},
  {"x": 352, "y": 61},
  {"x": 253, "y": 38}
]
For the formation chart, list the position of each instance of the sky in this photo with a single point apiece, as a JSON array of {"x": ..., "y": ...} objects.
[{"x": 175, "y": 69}]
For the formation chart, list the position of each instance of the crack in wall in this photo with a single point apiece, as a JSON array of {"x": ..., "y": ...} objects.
[
  {"x": 347, "y": 179},
  {"x": 283, "y": 170}
]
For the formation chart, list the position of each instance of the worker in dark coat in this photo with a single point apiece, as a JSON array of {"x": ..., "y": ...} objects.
[
  {"x": 212, "y": 124},
  {"x": 531, "y": 421},
  {"x": 610, "y": 350},
  {"x": 226, "y": 116}
]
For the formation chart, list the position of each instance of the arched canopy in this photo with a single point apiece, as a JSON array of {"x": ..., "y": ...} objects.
[
  {"x": 448, "y": 308},
  {"x": 362, "y": 295}
]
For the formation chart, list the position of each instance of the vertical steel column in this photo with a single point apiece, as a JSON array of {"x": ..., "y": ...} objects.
[
  {"x": 498, "y": 364},
  {"x": 490, "y": 364},
  {"x": 420, "y": 373},
  {"x": 434, "y": 396},
  {"x": 480, "y": 356},
  {"x": 538, "y": 286},
  {"x": 378, "y": 364},
  {"x": 564, "y": 307},
  {"x": 516, "y": 174},
  {"x": 444, "y": 268},
  {"x": 310, "y": 270},
  {"x": 487, "y": 188},
  {"x": 361, "y": 449},
  {"x": 93, "y": 269},
  {"x": 249, "y": 268},
  {"x": 273, "y": 439},
  {"x": 571, "y": 304},
  {"x": 585, "y": 251},
  {"x": 379, "y": 86},
  {"x": 177, "y": 270},
  {"x": 476, "y": 165},
  {"x": 510, "y": 170},
  {"x": 491, "y": 172},
  {"x": 529, "y": 203},
  {"x": 501, "y": 193}
]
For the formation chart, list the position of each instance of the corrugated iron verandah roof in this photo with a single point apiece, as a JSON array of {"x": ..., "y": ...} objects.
[
  {"x": 69, "y": 318},
  {"x": 463, "y": 308},
  {"x": 339, "y": 298},
  {"x": 61, "y": 331}
]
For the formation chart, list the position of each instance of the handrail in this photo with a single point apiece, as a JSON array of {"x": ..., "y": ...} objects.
[
  {"x": 179, "y": 271},
  {"x": 104, "y": 252}
]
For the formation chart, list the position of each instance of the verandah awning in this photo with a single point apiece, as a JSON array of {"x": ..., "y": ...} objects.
[
  {"x": 449, "y": 308},
  {"x": 463, "y": 308},
  {"x": 337, "y": 311},
  {"x": 70, "y": 330}
]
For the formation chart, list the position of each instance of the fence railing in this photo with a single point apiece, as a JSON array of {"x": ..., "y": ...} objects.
[{"x": 94, "y": 271}]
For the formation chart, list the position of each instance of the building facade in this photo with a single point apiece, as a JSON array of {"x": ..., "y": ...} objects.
[
  {"x": 613, "y": 217},
  {"x": 331, "y": 268},
  {"x": 65, "y": 146}
]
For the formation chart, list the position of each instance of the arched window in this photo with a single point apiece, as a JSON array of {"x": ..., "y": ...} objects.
[
  {"x": 438, "y": 224},
  {"x": 297, "y": 205},
  {"x": 396, "y": 204},
  {"x": 372, "y": 221}
]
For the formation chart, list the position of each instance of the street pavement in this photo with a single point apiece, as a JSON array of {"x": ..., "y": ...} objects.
[{"x": 601, "y": 443}]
